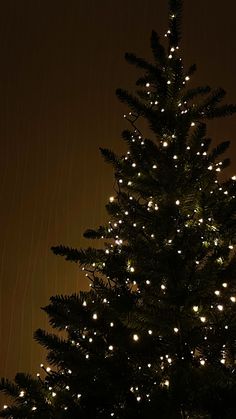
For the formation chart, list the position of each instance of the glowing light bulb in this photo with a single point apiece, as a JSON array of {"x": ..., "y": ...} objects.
[
  {"x": 217, "y": 293},
  {"x": 165, "y": 144},
  {"x": 195, "y": 308},
  {"x": 233, "y": 299},
  {"x": 176, "y": 329},
  {"x": 111, "y": 199},
  {"x": 110, "y": 348},
  {"x": 203, "y": 319},
  {"x": 202, "y": 362},
  {"x": 95, "y": 316},
  {"x": 150, "y": 332},
  {"x": 177, "y": 202},
  {"x": 220, "y": 307},
  {"x": 135, "y": 337}
]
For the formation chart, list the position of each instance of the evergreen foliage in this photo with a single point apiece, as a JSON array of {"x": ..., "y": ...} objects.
[{"x": 155, "y": 337}]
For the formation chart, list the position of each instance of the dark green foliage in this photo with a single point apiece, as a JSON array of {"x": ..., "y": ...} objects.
[{"x": 154, "y": 337}]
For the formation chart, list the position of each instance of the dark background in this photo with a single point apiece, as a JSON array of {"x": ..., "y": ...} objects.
[{"x": 61, "y": 61}]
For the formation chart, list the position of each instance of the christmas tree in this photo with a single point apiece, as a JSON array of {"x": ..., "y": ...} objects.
[{"x": 155, "y": 336}]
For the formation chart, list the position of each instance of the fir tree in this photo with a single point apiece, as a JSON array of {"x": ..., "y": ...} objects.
[{"x": 155, "y": 336}]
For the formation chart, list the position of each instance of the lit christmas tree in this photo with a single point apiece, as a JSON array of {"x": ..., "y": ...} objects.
[{"x": 155, "y": 336}]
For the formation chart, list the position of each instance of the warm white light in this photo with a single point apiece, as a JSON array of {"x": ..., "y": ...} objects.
[
  {"x": 110, "y": 348},
  {"x": 148, "y": 282},
  {"x": 111, "y": 199},
  {"x": 224, "y": 284},
  {"x": 176, "y": 329},
  {"x": 195, "y": 308},
  {"x": 135, "y": 337},
  {"x": 95, "y": 316},
  {"x": 202, "y": 362},
  {"x": 111, "y": 324},
  {"x": 165, "y": 144},
  {"x": 217, "y": 293},
  {"x": 192, "y": 124},
  {"x": 177, "y": 202},
  {"x": 220, "y": 307},
  {"x": 233, "y": 299},
  {"x": 203, "y": 319},
  {"x": 150, "y": 332}
]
